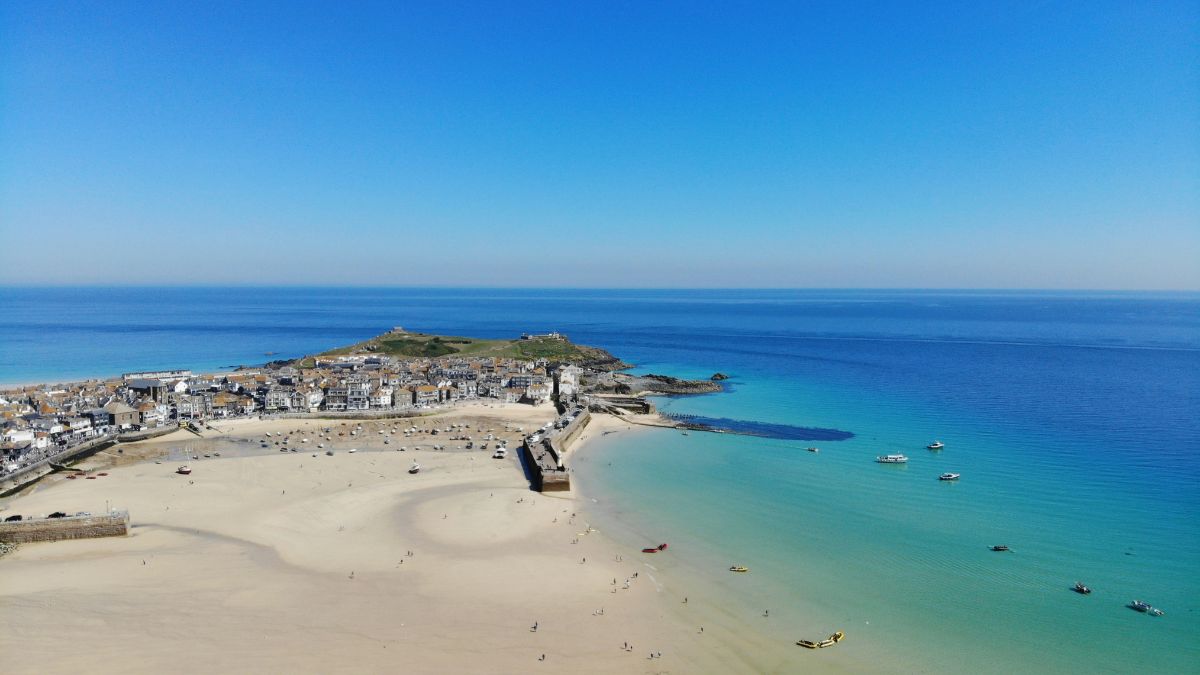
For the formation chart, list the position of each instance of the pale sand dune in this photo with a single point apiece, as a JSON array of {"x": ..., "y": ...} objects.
[{"x": 248, "y": 566}]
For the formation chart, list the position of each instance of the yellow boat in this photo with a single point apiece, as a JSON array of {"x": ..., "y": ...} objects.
[
  {"x": 827, "y": 642},
  {"x": 739, "y": 568}
]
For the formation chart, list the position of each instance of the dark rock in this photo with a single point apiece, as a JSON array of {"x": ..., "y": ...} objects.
[{"x": 717, "y": 377}]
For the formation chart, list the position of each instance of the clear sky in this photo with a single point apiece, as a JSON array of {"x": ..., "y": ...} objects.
[{"x": 964, "y": 144}]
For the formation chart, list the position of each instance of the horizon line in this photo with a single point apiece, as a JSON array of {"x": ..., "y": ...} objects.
[{"x": 447, "y": 287}]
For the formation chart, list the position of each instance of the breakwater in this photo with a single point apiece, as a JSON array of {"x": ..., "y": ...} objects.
[
  {"x": 545, "y": 456},
  {"x": 114, "y": 524}
]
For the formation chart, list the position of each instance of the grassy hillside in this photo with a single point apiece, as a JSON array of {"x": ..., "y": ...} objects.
[{"x": 432, "y": 346}]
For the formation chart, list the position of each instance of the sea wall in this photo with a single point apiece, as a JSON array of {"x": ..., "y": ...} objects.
[
  {"x": 42, "y": 466},
  {"x": 545, "y": 458},
  {"x": 114, "y": 524}
]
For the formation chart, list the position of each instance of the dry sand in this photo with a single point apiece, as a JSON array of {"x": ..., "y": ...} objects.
[{"x": 286, "y": 562}]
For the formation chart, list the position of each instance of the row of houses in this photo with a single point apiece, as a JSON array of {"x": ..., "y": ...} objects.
[{"x": 36, "y": 422}]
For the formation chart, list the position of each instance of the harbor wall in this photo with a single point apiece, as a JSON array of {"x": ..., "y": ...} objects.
[
  {"x": 545, "y": 457},
  {"x": 114, "y": 524}
]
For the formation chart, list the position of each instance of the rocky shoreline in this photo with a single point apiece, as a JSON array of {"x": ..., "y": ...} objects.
[{"x": 663, "y": 384}]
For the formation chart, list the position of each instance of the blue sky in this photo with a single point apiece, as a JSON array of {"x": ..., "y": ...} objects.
[{"x": 993, "y": 145}]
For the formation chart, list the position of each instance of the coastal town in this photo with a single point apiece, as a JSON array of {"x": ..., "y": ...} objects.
[{"x": 47, "y": 423}]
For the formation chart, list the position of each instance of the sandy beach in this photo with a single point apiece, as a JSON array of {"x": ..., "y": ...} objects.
[{"x": 298, "y": 561}]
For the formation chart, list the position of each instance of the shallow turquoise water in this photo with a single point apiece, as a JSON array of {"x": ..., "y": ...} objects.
[{"x": 899, "y": 559}]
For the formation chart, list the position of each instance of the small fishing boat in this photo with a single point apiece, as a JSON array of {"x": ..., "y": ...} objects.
[
  {"x": 807, "y": 643},
  {"x": 184, "y": 470},
  {"x": 1145, "y": 608},
  {"x": 415, "y": 468},
  {"x": 655, "y": 549},
  {"x": 329, "y": 452},
  {"x": 891, "y": 459},
  {"x": 739, "y": 568},
  {"x": 813, "y": 449},
  {"x": 999, "y": 547},
  {"x": 1081, "y": 589},
  {"x": 936, "y": 445},
  {"x": 949, "y": 476}
]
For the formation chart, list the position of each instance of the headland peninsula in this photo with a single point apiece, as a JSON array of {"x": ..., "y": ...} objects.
[{"x": 365, "y": 509}]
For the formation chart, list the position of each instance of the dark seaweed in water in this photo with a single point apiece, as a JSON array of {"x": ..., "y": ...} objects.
[{"x": 784, "y": 432}]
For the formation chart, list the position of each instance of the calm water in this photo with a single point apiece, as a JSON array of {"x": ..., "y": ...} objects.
[{"x": 1073, "y": 419}]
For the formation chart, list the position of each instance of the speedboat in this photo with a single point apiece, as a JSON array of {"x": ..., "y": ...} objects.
[
  {"x": 184, "y": 470},
  {"x": 999, "y": 547},
  {"x": 1081, "y": 589},
  {"x": 353, "y": 450},
  {"x": 948, "y": 476},
  {"x": 891, "y": 459},
  {"x": 655, "y": 549},
  {"x": 936, "y": 445},
  {"x": 813, "y": 449},
  {"x": 739, "y": 568}
]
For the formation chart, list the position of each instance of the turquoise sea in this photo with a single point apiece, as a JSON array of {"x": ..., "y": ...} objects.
[{"x": 1074, "y": 419}]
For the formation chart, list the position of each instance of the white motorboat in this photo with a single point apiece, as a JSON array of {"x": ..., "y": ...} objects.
[
  {"x": 891, "y": 459},
  {"x": 936, "y": 445},
  {"x": 948, "y": 476},
  {"x": 415, "y": 468}
]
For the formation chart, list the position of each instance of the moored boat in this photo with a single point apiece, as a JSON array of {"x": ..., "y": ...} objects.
[
  {"x": 936, "y": 445},
  {"x": 1145, "y": 608},
  {"x": 891, "y": 459},
  {"x": 999, "y": 547},
  {"x": 184, "y": 470},
  {"x": 949, "y": 476},
  {"x": 739, "y": 568},
  {"x": 1081, "y": 589},
  {"x": 415, "y": 468}
]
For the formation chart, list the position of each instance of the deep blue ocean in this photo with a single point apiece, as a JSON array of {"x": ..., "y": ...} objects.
[{"x": 1074, "y": 419}]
